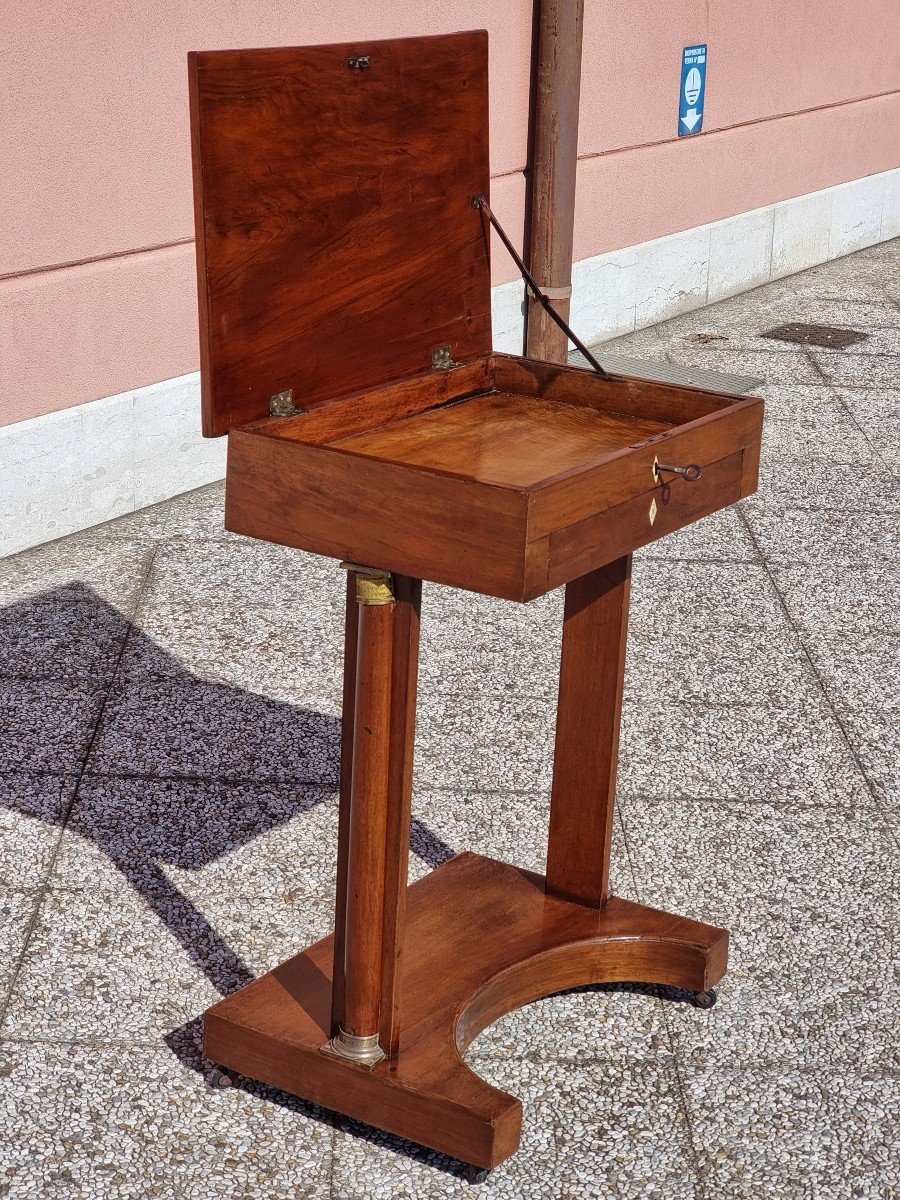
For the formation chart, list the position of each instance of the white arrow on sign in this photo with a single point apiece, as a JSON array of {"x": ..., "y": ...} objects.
[{"x": 690, "y": 118}]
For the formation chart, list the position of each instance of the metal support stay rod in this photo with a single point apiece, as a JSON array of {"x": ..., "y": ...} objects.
[{"x": 481, "y": 202}]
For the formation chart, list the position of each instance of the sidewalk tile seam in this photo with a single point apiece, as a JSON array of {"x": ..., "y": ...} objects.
[
  {"x": 825, "y": 692},
  {"x": 35, "y": 916},
  {"x": 877, "y": 447}
]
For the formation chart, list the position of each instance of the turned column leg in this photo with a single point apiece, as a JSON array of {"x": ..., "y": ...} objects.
[
  {"x": 381, "y": 654},
  {"x": 587, "y": 733},
  {"x": 404, "y": 686}
]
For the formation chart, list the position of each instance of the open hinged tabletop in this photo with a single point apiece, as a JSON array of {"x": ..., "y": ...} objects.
[{"x": 346, "y": 338}]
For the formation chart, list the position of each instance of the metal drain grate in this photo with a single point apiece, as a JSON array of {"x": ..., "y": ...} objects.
[{"x": 815, "y": 335}]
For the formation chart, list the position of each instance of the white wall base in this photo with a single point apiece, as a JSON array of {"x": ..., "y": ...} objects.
[{"x": 79, "y": 467}]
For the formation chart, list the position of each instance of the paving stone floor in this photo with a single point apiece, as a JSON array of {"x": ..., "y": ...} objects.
[{"x": 168, "y": 818}]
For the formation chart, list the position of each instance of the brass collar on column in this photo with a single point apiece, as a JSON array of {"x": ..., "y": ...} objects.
[{"x": 373, "y": 586}]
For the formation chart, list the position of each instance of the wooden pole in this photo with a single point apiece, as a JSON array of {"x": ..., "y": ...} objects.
[
  {"x": 405, "y": 674},
  {"x": 348, "y": 714},
  {"x": 380, "y": 671},
  {"x": 555, "y": 162},
  {"x": 367, "y": 795}
]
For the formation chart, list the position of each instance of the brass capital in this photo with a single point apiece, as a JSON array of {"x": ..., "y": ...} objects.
[{"x": 373, "y": 586}]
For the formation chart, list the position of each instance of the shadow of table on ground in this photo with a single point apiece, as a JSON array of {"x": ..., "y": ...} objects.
[{"x": 146, "y": 807}]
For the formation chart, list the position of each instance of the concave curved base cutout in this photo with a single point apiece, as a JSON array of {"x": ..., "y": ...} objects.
[{"x": 482, "y": 938}]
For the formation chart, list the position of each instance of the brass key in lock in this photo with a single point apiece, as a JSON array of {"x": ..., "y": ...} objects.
[{"x": 690, "y": 473}]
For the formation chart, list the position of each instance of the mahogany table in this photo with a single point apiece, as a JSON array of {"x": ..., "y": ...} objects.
[{"x": 344, "y": 286}]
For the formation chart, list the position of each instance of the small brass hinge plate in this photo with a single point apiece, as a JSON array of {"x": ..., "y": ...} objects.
[
  {"x": 441, "y": 360},
  {"x": 282, "y": 405}
]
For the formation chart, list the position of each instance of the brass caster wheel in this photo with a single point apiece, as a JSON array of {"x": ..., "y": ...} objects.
[
  {"x": 218, "y": 1079},
  {"x": 704, "y": 999},
  {"x": 475, "y": 1174}
]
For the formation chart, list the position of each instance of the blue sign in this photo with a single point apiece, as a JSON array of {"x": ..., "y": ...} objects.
[{"x": 693, "y": 90}]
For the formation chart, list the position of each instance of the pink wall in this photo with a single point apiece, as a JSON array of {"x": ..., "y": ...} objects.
[{"x": 96, "y": 265}]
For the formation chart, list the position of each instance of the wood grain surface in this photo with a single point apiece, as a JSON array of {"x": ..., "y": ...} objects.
[
  {"x": 588, "y": 714},
  {"x": 369, "y": 802},
  {"x": 482, "y": 938},
  {"x": 503, "y": 438},
  {"x": 459, "y": 478},
  {"x": 405, "y": 520},
  {"x": 336, "y": 241}
]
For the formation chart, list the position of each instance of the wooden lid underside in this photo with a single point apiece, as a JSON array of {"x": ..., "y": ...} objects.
[{"x": 337, "y": 246}]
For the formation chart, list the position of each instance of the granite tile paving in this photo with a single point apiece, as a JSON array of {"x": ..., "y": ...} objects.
[
  {"x": 573, "y": 1140},
  {"x": 808, "y": 894},
  {"x": 854, "y": 672},
  {"x": 823, "y": 538},
  {"x": 802, "y": 403},
  {"x": 67, "y": 632},
  {"x": 750, "y": 751},
  {"x": 17, "y": 912},
  {"x": 196, "y": 516},
  {"x": 246, "y": 646},
  {"x": 864, "y": 371},
  {"x": 705, "y": 594},
  {"x": 877, "y": 414},
  {"x": 125, "y": 964},
  {"x": 840, "y": 483},
  {"x": 766, "y": 1133},
  {"x": 472, "y": 738},
  {"x": 272, "y": 840},
  {"x": 191, "y": 728},
  {"x": 168, "y": 813},
  {"x": 102, "y": 562},
  {"x": 720, "y": 665},
  {"x": 119, "y": 1121},
  {"x": 240, "y": 572},
  {"x": 855, "y": 675},
  {"x": 828, "y": 597},
  {"x": 855, "y": 277},
  {"x": 729, "y": 332},
  {"x": 771, "y": 366},
  {"x": 33, "y": 810},
  {"x": 815, "y": 438},
  {"x": 47, "y": 724},
  {"x": 738, "y": 323}
]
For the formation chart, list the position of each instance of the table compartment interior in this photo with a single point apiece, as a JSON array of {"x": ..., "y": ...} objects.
[
  {"x": 501, "y": 420},
  {"x": 503, "y": 437}
]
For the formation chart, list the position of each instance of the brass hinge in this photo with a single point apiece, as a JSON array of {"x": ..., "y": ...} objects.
[
  {"x": 282, "y": 405},
  {"x": 441, "y": 360}
]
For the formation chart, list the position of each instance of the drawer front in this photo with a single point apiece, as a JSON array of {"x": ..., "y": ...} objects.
[
  {"x": 599, "y": 539},
  {"x": 628, "y": 474}
]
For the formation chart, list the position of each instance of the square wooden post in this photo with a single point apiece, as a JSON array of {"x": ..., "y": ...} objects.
[{"x": 592, "y": 673}]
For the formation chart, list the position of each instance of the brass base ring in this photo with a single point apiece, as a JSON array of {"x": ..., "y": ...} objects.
[{"x": 364, "y": 1051}]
